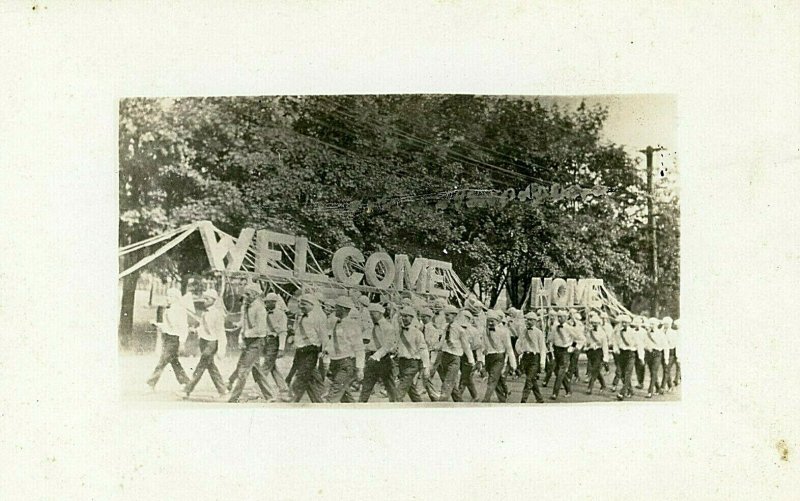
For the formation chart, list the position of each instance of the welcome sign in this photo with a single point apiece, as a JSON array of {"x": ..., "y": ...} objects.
[{"x": 349, "y": 266}]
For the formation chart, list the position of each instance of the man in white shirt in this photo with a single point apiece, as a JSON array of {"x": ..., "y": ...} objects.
[
  {"x": 412, "y": 355},
  {"x": 254, "y": 330},
  {"x": 346, "y": 351},
  {"x": 497, "y": 348},
  {"x": 564, "y": 343},
  {"x": 433, "y": 340},
  {"x": 653, "y": 351},
  {"x": 211, "y": 333},
  {"x": 174, "y": 330},
  {"x": 531, "y": 347},
  {"x": 378, "y": 364},
  {"x": 548, "y": 319},
  {"x": 310, "y": 330},
  {"x": 627, "y": 345},
  {"x": 596, "y": 351},
  {"x": 473, "y": 328},
  {"x": 455, "y": 343},
  {"x": 275, "y": 342},
  {"x": 670, "y": 353}
]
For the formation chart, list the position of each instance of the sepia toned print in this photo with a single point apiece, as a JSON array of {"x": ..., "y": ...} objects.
[{"x": 397, "y": 249}]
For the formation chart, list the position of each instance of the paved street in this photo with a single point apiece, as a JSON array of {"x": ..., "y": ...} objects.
[{"x": 134, "y": 370}]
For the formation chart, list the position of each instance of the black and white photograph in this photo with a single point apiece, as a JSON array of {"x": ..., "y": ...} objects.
[
  {"x": 399, "y": 251},
  {"x": 409, "y": 249}
]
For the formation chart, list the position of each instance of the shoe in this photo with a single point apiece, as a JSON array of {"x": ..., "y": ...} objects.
[
  {"x": 539, "y": 401},
  {"x": 660, "y": 392},
  {"x": 568, "y": 394},
  {"x": 620, "y": 397},
  {"x": 649, "y": 395},
  {"x": 588, "y": 392},
  {"x": 229, "y": 385},
  {"x": 614, "y": 388},
  {"x": 639, "y": 386},
  {"x": 552, "y": 397}
]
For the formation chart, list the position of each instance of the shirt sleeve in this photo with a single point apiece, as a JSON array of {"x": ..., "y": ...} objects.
[
  {"x": 422, "y": 347},
  {"x": 357, "y": 344},
  {"x": 466, "y": 347},
  {"x": 512, "y": 359},
  {"x": 279, "y": 322}
]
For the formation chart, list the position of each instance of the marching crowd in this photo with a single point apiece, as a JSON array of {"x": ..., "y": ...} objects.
[{"x": 345, "y": 348}]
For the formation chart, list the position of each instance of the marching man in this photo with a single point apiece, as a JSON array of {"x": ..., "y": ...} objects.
[
  {"x": 596, "y": 351},
  {"x": 254, "y": 331},
  {"x": 531, "y": 347},
  {"x": 346, "y": 351},
  {"x": 468, "y": 367},
  {"x": 412, "y": 355},
  {"x": 433, "y": 340},
  {"x": 627, "y": 345},
  {"x": 654, "y": 344},
  {"x": 564, "y": 343},
  {"x": 378, "y": 365},
  {"x": 671, "y": 355},
  {"x": 275, "y": 342},
  {"x": 174, "y": 330},
  {"x": 497, "y": 347},
  {"x": 310, "y": 330},
  {"x": 212, "y": 334},
  {"x": 454, "y": 345}
]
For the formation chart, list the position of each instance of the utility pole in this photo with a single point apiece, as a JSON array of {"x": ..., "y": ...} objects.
[{"x": 652, "y": 226}]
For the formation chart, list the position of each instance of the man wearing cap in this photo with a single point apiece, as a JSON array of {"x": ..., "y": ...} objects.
[
  {"x": 454, "y": 345},
  {"x": 575, "y": 323},
  {"x": 627, "y": 344},
  {"x": 531, "y": 346},
  {"x": 174, "y": 330},
  {"x": 563, "y": 345},
  {"x": 654, "y": 344},
  {"x": 596, "y": 351},
  {"x": 275, "y": 342},
  {"x": 670, "y": 353},
  {"x": 433, "y": 340},
  {"x": 608, "y": 329},
  {"x": 345, "y": 349},
  {"x": 254, "y": 332},
  {"x": 549, "y": 319},
  {"x": 473, "y": 329},
  {"x": 497, "y": 348},
  {"x": 412, "y": 355},
  {"x": 211, "y": 333},
  {"x": 639, "y": 366},
  {"x": 378, "y": 365},
  {"x": 310, "y": 331}
]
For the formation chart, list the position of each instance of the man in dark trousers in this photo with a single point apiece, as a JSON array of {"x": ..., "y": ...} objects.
[
  {"x": 563, "y": 345},
  {"x": 378, "y": 364},
  {"x": 174, "y": 330},
  {"x": 497, "y": 349},
  {"x": 254, "y": 332},
  {"x": 454, "y": 345},
  {"x": 412, "y": 355},
  {"x": 211, "y": 333},
  {"x": 346, "y": 351},
  {"x": 531, "y": 347},
  {"x": 310, "y": 331},
  {"x": 627, "y": 344}
]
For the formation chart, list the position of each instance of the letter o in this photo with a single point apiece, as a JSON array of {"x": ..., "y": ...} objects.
[{"x": 372, "y": 275}]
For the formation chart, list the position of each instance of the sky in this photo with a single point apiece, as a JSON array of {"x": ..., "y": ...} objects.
[{"x": 634, "y": 121}]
